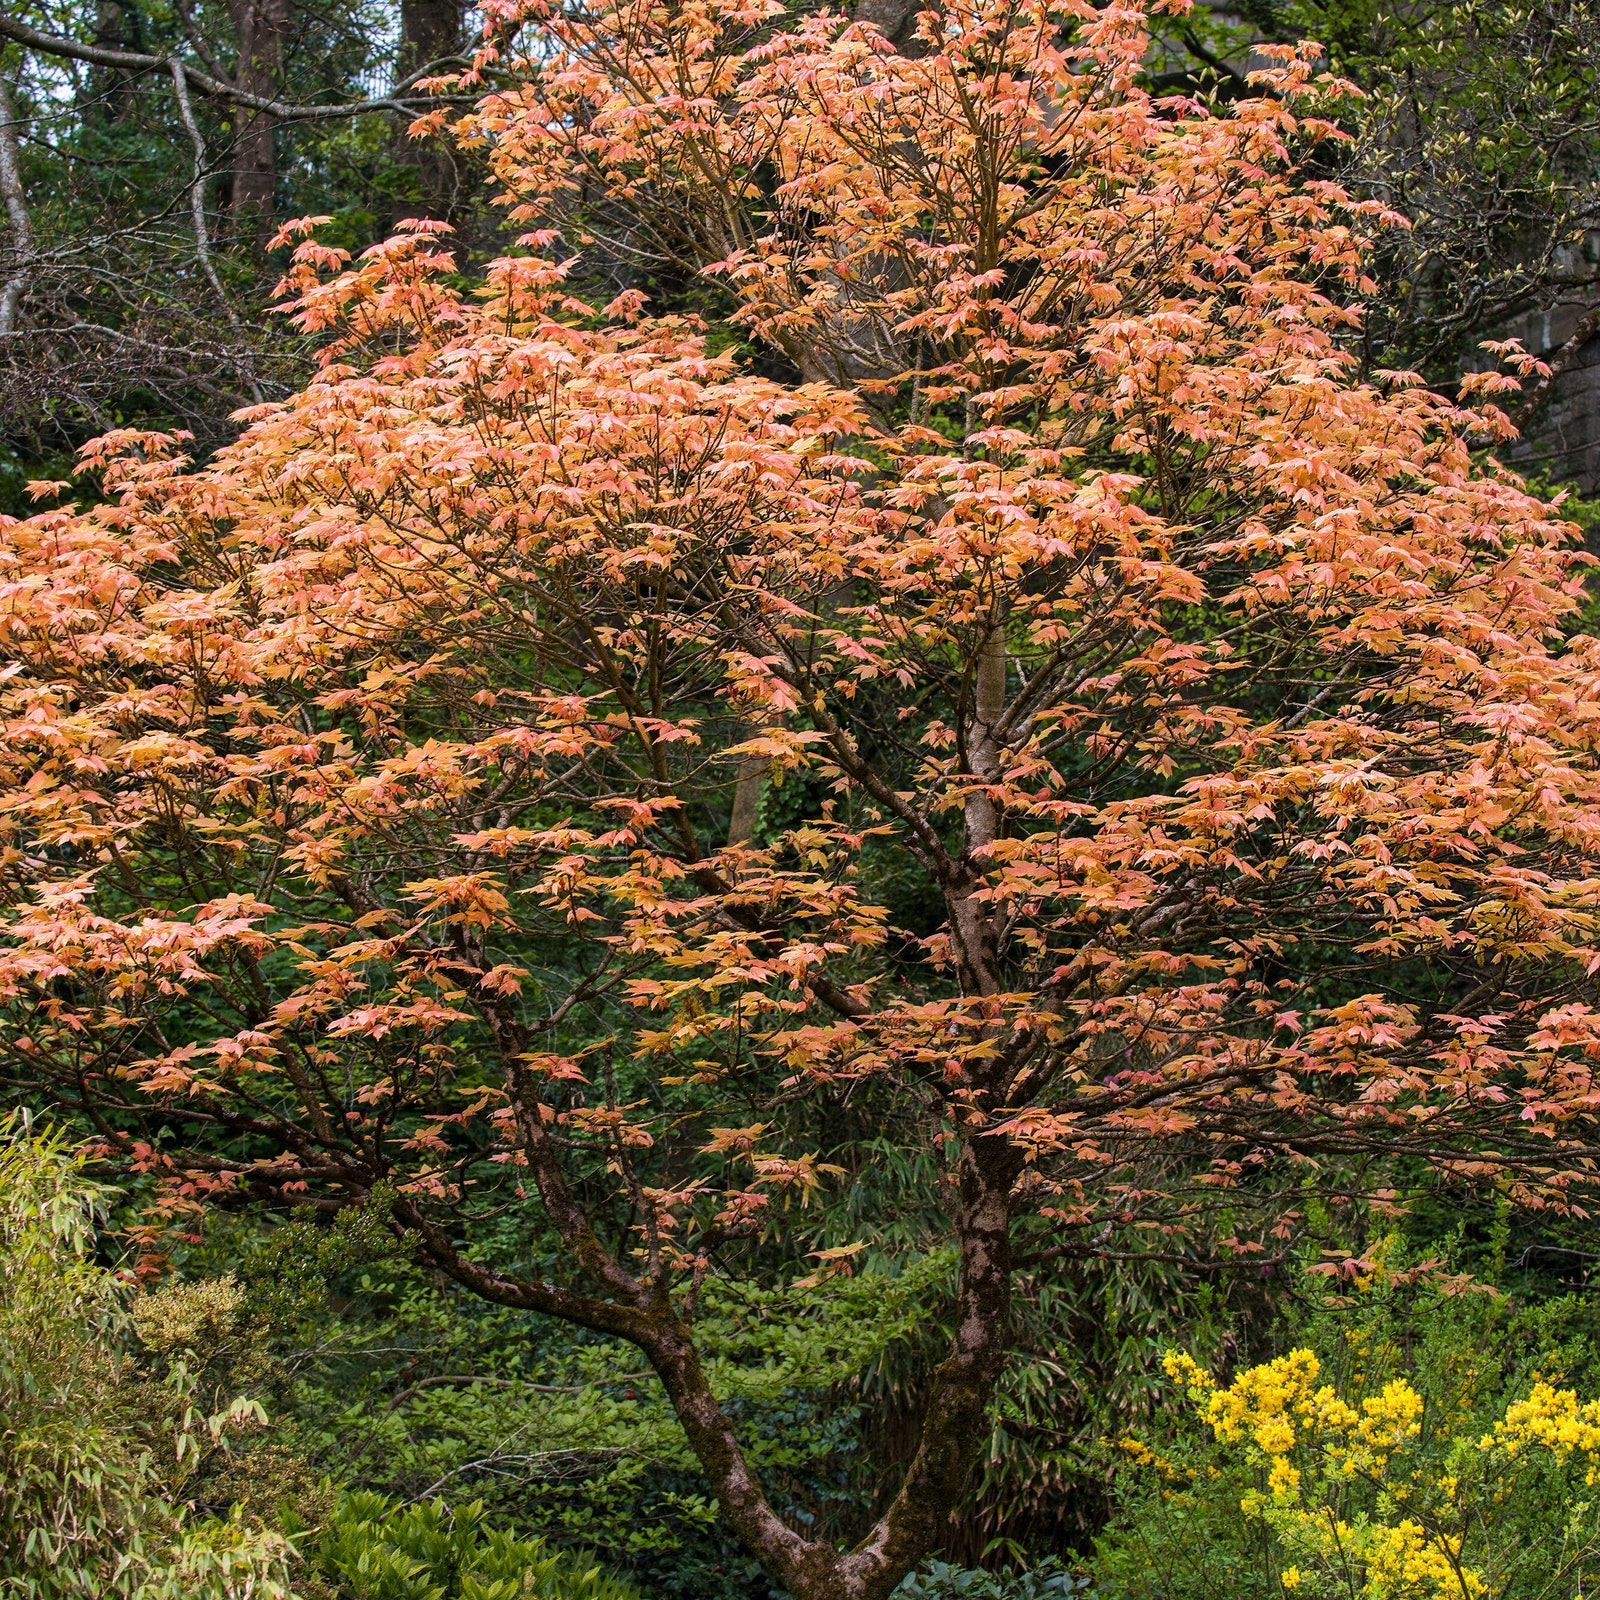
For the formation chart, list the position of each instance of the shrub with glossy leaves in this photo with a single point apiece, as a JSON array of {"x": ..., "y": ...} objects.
[{"x": 374, "y": 1550}]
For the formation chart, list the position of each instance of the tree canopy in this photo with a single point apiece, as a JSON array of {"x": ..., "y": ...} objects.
[{"x": 1042, "y": 705}]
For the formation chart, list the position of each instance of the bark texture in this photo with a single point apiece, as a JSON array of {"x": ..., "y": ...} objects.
[
  {"x": 17, "y": 217},
  {"x": 262, "y": 29},
  {"x": 430, "y": 30}
]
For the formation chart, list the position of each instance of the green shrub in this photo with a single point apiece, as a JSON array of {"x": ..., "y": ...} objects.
[
  {"x": 98, "y": 1461},
  {"x": 373, "y": 1550},
  {"x": 1046, "y": 1580}
]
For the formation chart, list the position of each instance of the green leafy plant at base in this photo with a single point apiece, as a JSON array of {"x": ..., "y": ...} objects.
[
  {"x": 940, "y": 1580},
  {"x": 373, "y": 1550}
]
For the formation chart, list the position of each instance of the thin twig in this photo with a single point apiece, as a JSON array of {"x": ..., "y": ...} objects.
[{"x": 511, "y": 1383}]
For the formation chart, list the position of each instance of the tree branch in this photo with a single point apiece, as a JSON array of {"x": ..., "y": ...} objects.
[
  {"x": 1538, "y": 392},
  {"x": 197, "y": 208},
  {"x": 218, "y": 88}
]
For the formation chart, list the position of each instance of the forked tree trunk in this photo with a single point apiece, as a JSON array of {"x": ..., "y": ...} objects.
[
  {"x": 642, "y": 1310},
  {"x": 954, "y": 1422}
]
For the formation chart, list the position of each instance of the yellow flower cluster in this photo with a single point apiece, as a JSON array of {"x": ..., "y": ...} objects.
[
  {"x": 1307, "y": 1438},
  {"x": 1266, "y": 1404},
  {"x": 1142, "y": 1455},
  {"x": 1552, "y": 1418},
  {"x": 1397, "y": 1562},
  {"x": 1361, "y": 1503}
]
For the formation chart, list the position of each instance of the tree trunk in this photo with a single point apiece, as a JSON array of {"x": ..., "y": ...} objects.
[
  {"x": 262, "y": 30},
  {"x": 17, "y": 218},
  {"x": 430, "y": 30},
  {"x": 643, "y": 1311},
  {"x": 115, "y": 29},
  {"x": 746, "y": 800},
  {"x": 954, "y": 1423},
  {"x": 896, "y": 20},
  {"x": 972, "y": 921}
]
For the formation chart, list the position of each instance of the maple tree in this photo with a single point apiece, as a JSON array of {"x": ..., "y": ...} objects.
[{"x": 367, "y": 792}]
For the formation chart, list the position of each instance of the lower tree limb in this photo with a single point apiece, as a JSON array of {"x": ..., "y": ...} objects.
[{"x": 953, "y": 1423}]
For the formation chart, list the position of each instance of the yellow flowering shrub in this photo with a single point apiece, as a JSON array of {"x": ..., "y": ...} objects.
[
  {"x": 1550, "y": 1419},
  {"x": 1312, "y": 1444},
  {"x": 1398, "y": 1454}
]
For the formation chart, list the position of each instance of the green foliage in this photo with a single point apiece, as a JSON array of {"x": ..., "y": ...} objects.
[
  {"x": 400, "y": 1384},
  {"x": 130, "y": 1465},
  {"x": 98, "y": 1460},
  {"x": 392, "y": 1380},
  {"x": 423, "y": 1390},
  {"x": 1049, "y": 1580},
  {"x": 373, "y": 1550}
]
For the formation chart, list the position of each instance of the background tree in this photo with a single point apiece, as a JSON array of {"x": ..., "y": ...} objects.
[
  {"x": 1478, "y": 126},
  {"x": 433, "y": 31},
  {"x": 144, "y": 158},
  {"x": 260, "y": 29}
]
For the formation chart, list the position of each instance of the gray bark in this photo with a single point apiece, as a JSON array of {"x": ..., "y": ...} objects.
[{"x": 17, "y": 217}]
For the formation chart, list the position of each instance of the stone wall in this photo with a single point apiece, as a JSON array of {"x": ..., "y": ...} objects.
[{"x": 1562, "y": 442}]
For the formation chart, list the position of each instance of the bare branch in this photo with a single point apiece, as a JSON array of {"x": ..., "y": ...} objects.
[
  {"x": 1538, "y": 392},
  {"x": 219, "y": 88},
  {"x": 197, "y": 206}
]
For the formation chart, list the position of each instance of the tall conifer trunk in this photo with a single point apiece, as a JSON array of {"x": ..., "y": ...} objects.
[
  {"x": 430, "y": 30},
  {"x": 262, "y": 29}
]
